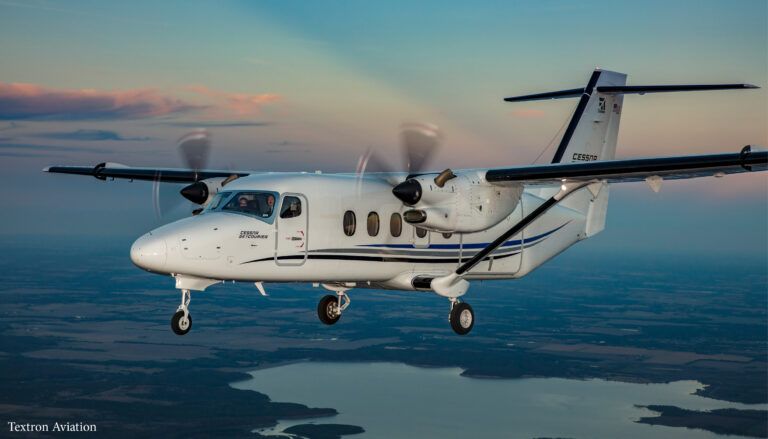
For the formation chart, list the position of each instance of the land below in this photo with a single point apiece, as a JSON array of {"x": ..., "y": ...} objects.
[{"x": 85, "y": 337}]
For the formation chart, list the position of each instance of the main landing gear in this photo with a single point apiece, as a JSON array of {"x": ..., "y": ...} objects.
[
  {"x": 461, "y": 317},
  {"x": 330, "y": 307},
  {"x": 181, "y": 322}
]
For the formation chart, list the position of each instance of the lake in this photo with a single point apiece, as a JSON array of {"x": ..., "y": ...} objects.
[{"x": 396, "y": 400}]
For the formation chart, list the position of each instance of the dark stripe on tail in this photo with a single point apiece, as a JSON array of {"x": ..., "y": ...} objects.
[{"x": 576, "y": 117}]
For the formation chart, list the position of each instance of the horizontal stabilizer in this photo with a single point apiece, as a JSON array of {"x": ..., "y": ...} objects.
[
  {"x": 629, "y": 89},
  {"x": 642, "y": 89},
  {"x": 572, "y": 93}
]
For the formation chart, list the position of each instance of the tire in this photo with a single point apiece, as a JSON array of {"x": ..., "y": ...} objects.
[
  {"x": 324, "y": 308},
  {"x": 462, "y": 318},
  {"x": 176, "y": 323}
]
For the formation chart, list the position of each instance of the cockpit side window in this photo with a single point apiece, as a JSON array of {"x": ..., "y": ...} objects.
[
  {"x": 291, "y": 207},
  {"x": 258, "y": 204}
]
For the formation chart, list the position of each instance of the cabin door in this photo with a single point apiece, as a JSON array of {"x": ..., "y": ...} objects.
[{"x": 292, "y": 230}]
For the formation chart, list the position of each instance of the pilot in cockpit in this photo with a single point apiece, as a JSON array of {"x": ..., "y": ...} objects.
[
  {"x": 270, "y": 206},
  {"x": 258, "y": 204},
  {"x": 247, "y": 205}
]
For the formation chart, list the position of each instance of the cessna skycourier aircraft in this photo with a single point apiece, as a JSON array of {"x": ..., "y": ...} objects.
[{"x": 413, "y": 230}]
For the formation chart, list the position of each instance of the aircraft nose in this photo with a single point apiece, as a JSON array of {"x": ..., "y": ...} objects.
[{"x": 149, "y": 252}]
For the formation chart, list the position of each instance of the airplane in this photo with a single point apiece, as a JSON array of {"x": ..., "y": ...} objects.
[{"x": 413, "y": 230}]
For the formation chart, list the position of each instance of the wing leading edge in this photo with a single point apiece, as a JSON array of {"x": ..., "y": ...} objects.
[
  {"x": 103, "y": 171},
  {"x": 616, "y": 171}
]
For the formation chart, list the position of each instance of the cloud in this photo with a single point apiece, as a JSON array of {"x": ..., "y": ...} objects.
[
  {"x": 52, "y": 148},
  {"x": 528, "y": 113},
  {"x": 89, "y": 135},
  {"x": 10, "y": 126},
  {"x": 217, "y": 124},
  {"x": 23, "y": 154},
  {"x": 20, "y": 101},
  {"x": 241, "y": 104}
]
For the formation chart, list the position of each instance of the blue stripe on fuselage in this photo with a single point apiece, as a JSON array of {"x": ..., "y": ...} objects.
[{"x": 509, "y": 243}]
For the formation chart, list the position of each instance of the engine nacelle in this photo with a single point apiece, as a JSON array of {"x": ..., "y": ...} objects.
[
  {"x": 202, "y": 192},
  {"x": 464, "y": 203}
]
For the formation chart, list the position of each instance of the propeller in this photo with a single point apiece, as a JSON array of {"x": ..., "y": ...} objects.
[
  {"x": 166, "y": 201},
  {"x": 419, "y": 143},
  {"x": 194, "y": 148}
]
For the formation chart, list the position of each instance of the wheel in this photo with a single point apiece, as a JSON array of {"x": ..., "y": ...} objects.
[
  {"x": 328, "y": 310},
  {"x": 179, "y": 324},
  {"x": 462, "y": 318}
]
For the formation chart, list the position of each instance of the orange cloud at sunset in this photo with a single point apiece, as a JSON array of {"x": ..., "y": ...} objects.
[
  {"x": 241, "y": 104},
  {"x": 20, "y": 101}
]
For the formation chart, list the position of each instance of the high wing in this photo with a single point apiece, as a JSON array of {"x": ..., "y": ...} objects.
[
  {"x": 617, "y": 171},
  {"x": 103, "y": 171}
]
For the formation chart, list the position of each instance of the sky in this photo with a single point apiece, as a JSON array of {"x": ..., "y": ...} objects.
[{"x": 306, "y": 85}]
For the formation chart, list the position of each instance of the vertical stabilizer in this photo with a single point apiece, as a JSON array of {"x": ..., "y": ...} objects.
[{"x": 592, "y": 132}]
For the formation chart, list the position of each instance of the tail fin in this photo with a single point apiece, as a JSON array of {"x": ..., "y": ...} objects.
[
  {"x": 594, "y": 127},
  {"x": 592, "y": 132}
]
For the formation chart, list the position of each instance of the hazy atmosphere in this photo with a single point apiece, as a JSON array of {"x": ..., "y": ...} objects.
[{"x": 280, "y": 89}]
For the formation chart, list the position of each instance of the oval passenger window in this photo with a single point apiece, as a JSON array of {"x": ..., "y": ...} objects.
[
  {"x": 395, "y": 224},
  {"x": 373, "y": 224},
  {"x": 349, "y": 223}
]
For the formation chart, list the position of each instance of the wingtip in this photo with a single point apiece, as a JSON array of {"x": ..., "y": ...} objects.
[
  {"x": 751, "y": 86},
  {"x": 47, "y": 169}
]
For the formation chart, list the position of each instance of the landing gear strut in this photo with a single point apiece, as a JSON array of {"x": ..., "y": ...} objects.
[
  {"x": 330, "y": 307},
  {"x": 462, "y": 317},
  {"x": 181, "y": 322}
]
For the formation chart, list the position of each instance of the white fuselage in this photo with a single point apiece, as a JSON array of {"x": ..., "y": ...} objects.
[{"x": 312, "y": 246}]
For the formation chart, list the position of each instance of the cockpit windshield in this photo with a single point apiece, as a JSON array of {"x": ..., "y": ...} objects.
[
  {"x": 218, "y": 200},
  {"x": 253, "y": 203}
]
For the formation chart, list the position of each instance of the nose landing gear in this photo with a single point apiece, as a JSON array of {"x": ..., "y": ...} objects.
[
  {"x": 181, "y": 322},
  {"x": 330, "y": 307},
  {"x": 328, "y": 310}
]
